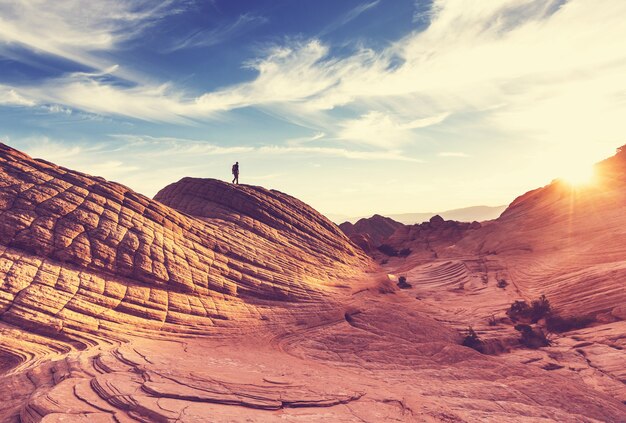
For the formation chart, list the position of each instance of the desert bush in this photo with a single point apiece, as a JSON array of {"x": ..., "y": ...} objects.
[
  {"x": 388, "y": 250},
  {"x": 404, "y": 252},
  {"x": 502, "y": 283},
  {"x": 492, "y": 321},
  {"x": 518, "y": 310},
  {"x": 538, "y": 309},
  {"x": 558, "y": 324},
  {"x": 473, "y": 341},
  {"x": 402, "y": 283},
  {"x": 532, "y": 337}
]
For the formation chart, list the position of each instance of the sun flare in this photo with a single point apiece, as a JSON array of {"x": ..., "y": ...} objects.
[{"x": 579, "y": 176}]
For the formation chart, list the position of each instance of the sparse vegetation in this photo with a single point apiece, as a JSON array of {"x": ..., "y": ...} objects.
[
  {"x": 537, "y": 310},
  {"x": 519, "y": 310},
  {"x": 532, "y": 337},
  {"x": 492, "y": 321},
  {"x": 404, "y": 252},
  {"x": 558, "y": 324},
  {"x": 502, "y": 283},
  {"x": 473, "y": 341},
  {"x": 388, "y": 250},
  {"x": 540, "y": 308},
  {"x": 402, "y": 283}
]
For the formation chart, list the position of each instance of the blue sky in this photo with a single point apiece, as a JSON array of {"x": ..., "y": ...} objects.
[{"x": 356, "y": 107}]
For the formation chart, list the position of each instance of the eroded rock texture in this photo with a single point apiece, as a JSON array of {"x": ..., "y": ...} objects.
[
  {"x": 81, "y": 253},
  {"x": 222, "y": 303},
  {"x": 377, "y": 228}
]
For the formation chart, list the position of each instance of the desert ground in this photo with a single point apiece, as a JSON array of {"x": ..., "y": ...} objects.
[{"x": 216, "y": 302}]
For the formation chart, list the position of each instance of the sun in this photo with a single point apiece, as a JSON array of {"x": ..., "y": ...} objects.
[{"x": 578, "y": 176}]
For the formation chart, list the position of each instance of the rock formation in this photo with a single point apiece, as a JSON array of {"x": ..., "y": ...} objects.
[
  {"x": 216, "y": 302},
  {"x": 83, "y": 253},
  {"x": 377, "y": 228}
]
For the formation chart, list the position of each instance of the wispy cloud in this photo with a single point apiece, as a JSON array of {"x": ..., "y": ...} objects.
[
  {"x": 383, "y": 130},
  {"x": 164, "y": 146},
  {"x": 219, "y": 34},
  {"x": 349, "y": 16},
  {"x": 10, "y": 97},
  {"x": 76, "y": 30},
  {"x": 452, "y": 154},
  {"x": 555, "y": 69},
  {"x": 393, "y": 155}
]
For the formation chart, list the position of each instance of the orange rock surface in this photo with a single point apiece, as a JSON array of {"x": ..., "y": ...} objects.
[{"x": 221, "y": 303}]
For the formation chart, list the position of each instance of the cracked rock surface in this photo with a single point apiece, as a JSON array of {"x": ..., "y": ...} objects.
[{"x": 222, "y": 303}]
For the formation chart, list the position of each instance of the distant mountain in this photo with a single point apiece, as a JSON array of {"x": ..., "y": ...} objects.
[
  {"x": 466, "y": 214},
  {"x": 376, "y": 229}
]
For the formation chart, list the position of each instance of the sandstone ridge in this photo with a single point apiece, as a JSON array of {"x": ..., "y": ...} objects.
[{"x": 79, "y": 253}]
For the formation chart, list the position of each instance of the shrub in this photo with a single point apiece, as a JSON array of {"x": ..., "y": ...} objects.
[
  {"x": 492, "y": 321},
  {"x": 502, "y": 283},
  {"x": 558, "y": 324},
  {"x": 473, "y": 341},
  {"x": 532, "y": 337},
  {"x": 388, "y": 250},
  {"x": 404, "y": 252},
  {"x": 540, "y": 308},
  {"x": 402, "y": 283},
  {"x": 520, "y": 310}
]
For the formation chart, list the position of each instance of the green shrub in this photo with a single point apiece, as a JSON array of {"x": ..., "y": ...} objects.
[{"x": 502, "y": 283}]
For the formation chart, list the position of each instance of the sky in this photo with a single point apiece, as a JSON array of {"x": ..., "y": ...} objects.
[{"x": 355, "y": 107}]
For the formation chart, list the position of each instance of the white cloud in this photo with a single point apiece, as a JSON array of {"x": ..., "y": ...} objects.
[
  {"x": 75, "y": 30},
  {"x": 350, "y": 16},
  {"x": 166, "y": 146},
  {"x": 219, "y": 34},
  {"x": 10, "y": 97},
  {"x": 393, "y": 155},
  {"x": 553, "y": 69},
  {"x": 383, "y": 130}
]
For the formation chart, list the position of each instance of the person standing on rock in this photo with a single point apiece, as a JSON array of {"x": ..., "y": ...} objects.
[{"x": 236, "y": 173}]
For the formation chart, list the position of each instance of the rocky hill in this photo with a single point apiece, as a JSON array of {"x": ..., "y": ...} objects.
[
  {"x": 565, "y": 241},
  {"x": 370, "y": 232},
  {"x": 220, "y": 302},
  {"x": 83, "y": 254}
]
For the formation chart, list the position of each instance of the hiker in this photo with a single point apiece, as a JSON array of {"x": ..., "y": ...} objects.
[{"x": 236, "y": 173}]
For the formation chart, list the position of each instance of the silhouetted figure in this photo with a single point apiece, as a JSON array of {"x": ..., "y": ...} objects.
[{"x": 236, "y": 173}]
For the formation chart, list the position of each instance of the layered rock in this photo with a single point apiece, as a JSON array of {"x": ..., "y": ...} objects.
[
  {"x": 564, "y": 241},
  {"x": 216, "y": 302},
  {"x": 81, "y": 253},
  {"x": 429, "y": 240},
  {"x": 376, "y": 228}
]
